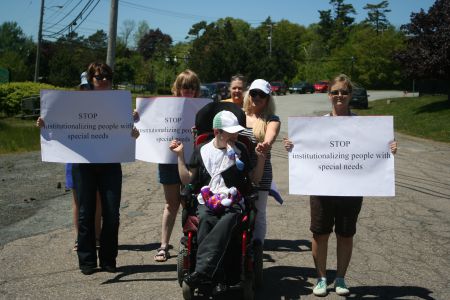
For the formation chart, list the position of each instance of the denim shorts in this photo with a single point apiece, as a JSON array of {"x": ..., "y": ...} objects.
[
  {"x": 340, "y": 212},
  {"x": 69, "y": 179},
  {"x": 168, "y": 174}
]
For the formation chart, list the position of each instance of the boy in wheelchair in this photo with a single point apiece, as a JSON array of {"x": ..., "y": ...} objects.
[{"x": 222, "y": 168}]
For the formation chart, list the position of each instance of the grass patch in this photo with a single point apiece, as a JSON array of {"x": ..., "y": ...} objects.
[
  {"x": 426, "y": 117},
  {"x": 18, "y": 135}
]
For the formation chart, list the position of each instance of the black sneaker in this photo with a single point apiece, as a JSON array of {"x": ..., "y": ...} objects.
[
  {"x": 109, "y": 269},
  {"x": 196, "y": 279},
  {"x": 87, "y": 270}
]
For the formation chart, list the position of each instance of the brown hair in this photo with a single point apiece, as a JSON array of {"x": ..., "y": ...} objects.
[
  {"x": 187, "y": 78},
  {"x": 101, "y": 68}
]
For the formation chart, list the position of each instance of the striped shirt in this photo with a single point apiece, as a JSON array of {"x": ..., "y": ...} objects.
[{"x": 266, "y": 180}]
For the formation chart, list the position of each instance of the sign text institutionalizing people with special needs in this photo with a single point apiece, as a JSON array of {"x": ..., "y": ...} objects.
[
  {"x": 341, "y": 156},
  {"x": 162, "y": 119},
  {"x": 87, "y": 126}
]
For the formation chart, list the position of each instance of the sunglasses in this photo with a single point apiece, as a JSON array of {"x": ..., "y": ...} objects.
[
  {"x": 102, "y": 77},
  {"x": 188, "y": 87},
  {"x": 337, "y": 92},
  {"x": 255, "y": 93}
]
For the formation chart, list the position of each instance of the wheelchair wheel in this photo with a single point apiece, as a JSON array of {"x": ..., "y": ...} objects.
[
  {"x": 181, "y": 272},
  {"x": 188, "y": 293},
  {"x": 248, "y": 292}
]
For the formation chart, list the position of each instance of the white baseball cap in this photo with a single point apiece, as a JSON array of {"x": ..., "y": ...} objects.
[
  {"x": 261, "y": 84},
  {"x": 227, "y": 121}
]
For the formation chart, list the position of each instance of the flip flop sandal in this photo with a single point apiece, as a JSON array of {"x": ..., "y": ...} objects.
[{"x": 162, "y": 254}]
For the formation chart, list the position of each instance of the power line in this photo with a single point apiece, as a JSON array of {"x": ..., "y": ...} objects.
[
  {"x": 172, "y": 13},
  {"x": 66, "y": 15},
  {"x": 77, "y": 18}
]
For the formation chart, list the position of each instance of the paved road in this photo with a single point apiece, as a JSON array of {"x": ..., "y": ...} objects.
[
  {"x": 319, "y": 104},
  {"x": 401, "y": 248}
]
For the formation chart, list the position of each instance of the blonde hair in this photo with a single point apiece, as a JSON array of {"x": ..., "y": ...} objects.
[
  {"x": 260, "y": 126},
  {"x": 187, "y": 78},
  {"x": 344, "y": 79}
]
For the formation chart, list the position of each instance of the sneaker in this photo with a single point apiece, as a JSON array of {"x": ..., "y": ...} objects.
[
  {"x": 87, "y": 270},
  {"x": 341, "y": 288},
  {"x": 321, "y": 288},
  {"x": 196, "y": 279}
]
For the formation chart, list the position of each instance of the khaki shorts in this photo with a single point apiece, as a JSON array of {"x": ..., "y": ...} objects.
[{"x": 340, "y": 212}]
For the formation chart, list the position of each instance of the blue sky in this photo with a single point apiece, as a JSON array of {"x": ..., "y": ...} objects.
[{"x": 177, "y": 16}]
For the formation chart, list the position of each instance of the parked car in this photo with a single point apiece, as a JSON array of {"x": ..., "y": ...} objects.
[
  {"x": 359, "y": 98},
  {"x": 219, "y": 90},
  {"x": 302, "y": 87},
  {"x": 321, "y": 86},
  {"x": 205, "y": 92},
  {"x": 278, "y": 88}
]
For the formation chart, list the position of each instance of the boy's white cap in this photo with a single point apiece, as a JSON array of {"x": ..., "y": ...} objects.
[
  {"x": 227, "y": 121},
  {"x": 262, "y": 85}
]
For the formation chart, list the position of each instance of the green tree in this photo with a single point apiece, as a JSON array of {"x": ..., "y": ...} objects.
[
  {"x": 368, "y": 57},
  {"x": 154, "y": 42},
  {"x": 219, "y": 51},
  {"x": 142, "y": 30},
  {"x": 376, "y": 15},
  {"x": 197, "y": 28},
  {"x": 17, "y": 51},
  {"x": 128, "y": 26},
  {"x": 427, "y": 54}
]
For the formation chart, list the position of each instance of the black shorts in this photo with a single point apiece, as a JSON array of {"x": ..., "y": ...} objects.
[
  {"x": 340, "y": 212},
  {"x": 168, "y": 174}
]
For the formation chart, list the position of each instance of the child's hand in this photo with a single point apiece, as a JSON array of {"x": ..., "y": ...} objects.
[{"x": 176, "y": 146}]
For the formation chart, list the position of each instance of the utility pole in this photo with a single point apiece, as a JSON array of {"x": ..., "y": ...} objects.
[
  {"x": 111, "y": 53},
  {"x": 39, "y": 40},
  {"x": 270, "y": 39}
]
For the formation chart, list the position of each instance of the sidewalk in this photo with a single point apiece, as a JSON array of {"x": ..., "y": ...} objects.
[{"x": 401, "y": 250}]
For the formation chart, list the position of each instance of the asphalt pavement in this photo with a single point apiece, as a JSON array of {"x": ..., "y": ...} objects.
[{"x": 401, "y": 251}]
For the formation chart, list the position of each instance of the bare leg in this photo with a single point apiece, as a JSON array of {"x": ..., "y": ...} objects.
[
  {"x": 172, "y": 195},
  {"x": 75, "y": 210},
  {"x": 344, "y": 254},
  {"x": 98, "y": 216},
  {"x": 319, "y": 252}
]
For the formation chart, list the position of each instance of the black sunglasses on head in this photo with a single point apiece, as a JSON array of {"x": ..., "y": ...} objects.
[
  {"x": 337, "y": 92},
  {"x": 102, "y": 77},
  {"x": 255, "y": 93}
]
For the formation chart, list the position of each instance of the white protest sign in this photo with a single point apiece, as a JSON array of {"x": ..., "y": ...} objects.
[
  {"x": 341, "y": 156},
  {"x": 87, "y": 126},
  {"x": 162, "y": 119}
]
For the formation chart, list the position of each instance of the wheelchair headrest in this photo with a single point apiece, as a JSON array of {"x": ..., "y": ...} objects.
[{"x": 204, "y": 117}]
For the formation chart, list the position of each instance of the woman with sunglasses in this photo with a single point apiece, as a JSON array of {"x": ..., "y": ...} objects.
[
  {"x": 333, "y": 211},
  {"x": 106, "y": 178},
  {"x": 262, "y": 128},
  {"x": 187, "y": 84}
]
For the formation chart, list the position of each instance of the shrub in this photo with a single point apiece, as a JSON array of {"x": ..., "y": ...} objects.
[{"x": 11, "y": 95}]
